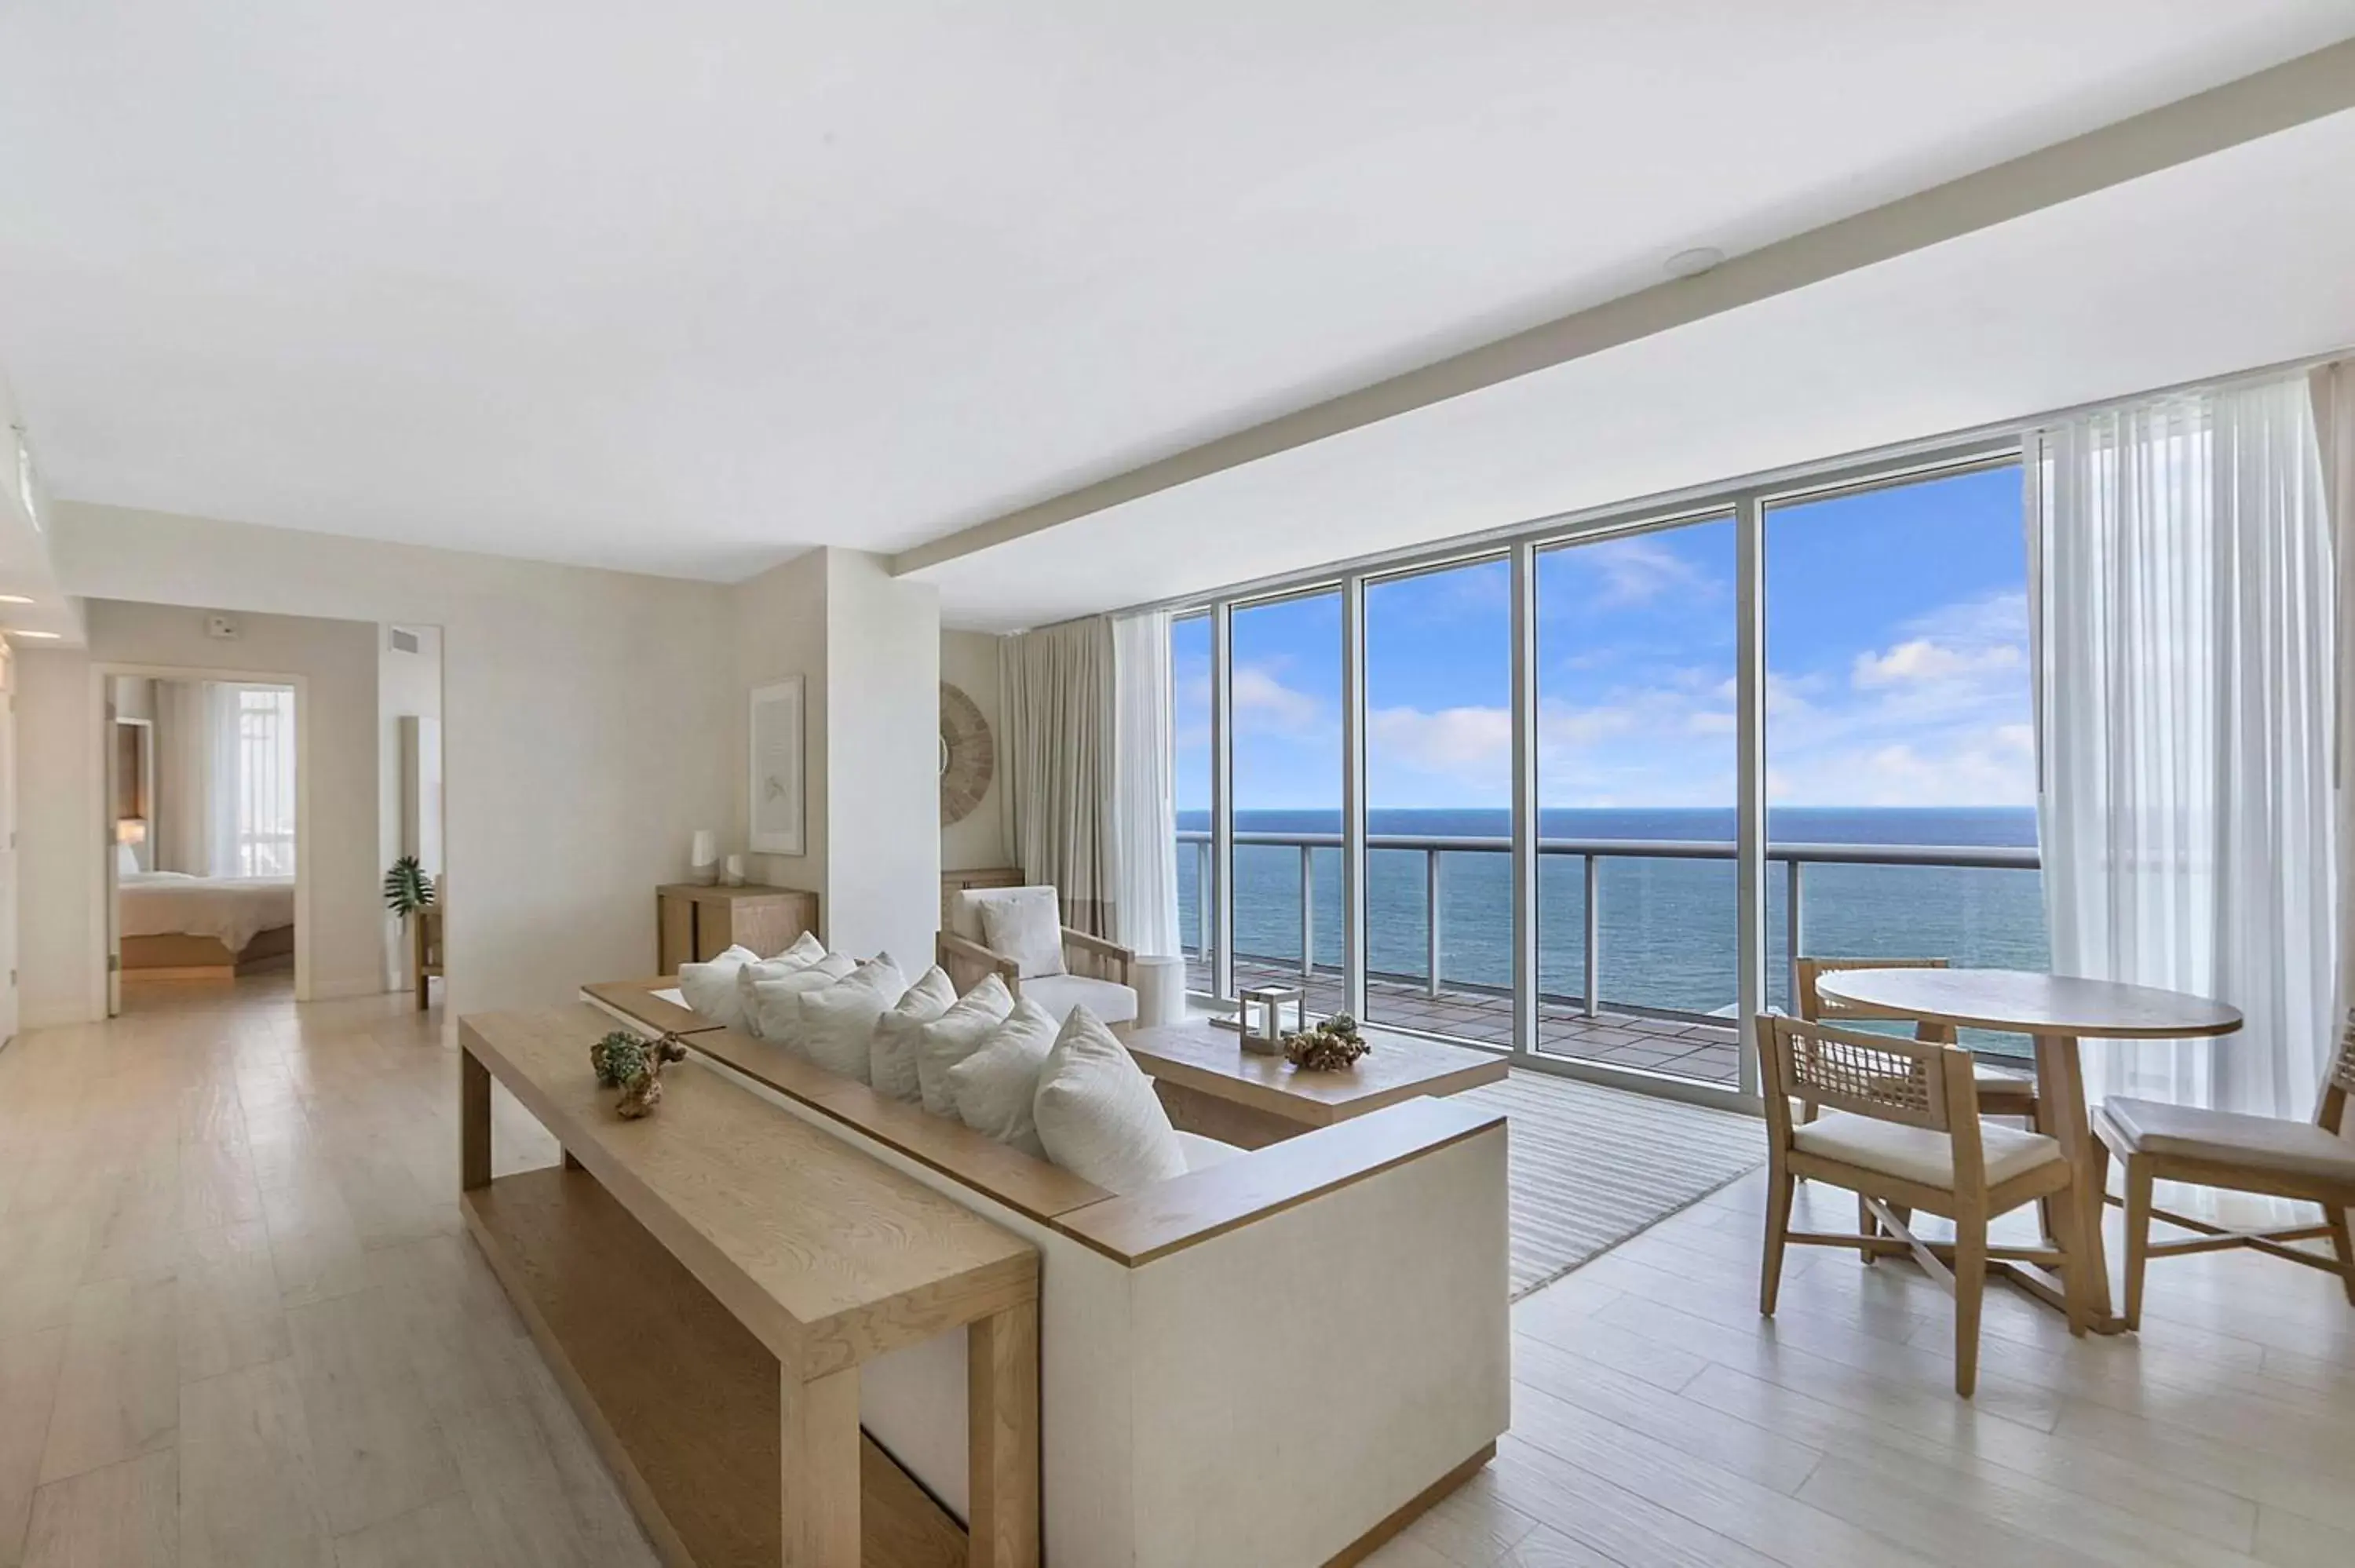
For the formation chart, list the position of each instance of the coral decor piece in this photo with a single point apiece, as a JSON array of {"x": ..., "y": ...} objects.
[
  {"x": 1329, "y": 1047},
  {"x": 632, "y": 1065}
]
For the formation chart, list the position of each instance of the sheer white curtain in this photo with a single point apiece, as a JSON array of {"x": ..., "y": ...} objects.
[
  {"x": 2186, "y": 635},
  {"x": 1145, "y": 813},
  {"x": 2332, "y": 390},
  {"x": 224, "y": 779},
  {"x": 1055, "y": 708}
]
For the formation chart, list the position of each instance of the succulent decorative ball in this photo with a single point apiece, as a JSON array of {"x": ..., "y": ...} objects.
[
  {"x": 1331, "y": 1045},
  {"x": 618, "y": 1057}
]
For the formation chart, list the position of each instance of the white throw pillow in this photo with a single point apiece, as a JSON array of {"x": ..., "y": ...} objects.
[
  {"x": 807, "y": 949},
  {"x": 994, "y": 1087},
  {"x": 838, "y": 1025},
  {"x": 1097, "y": 1115},
  {"x": 956, "y": 1035},
  {"x": 900, "y": 1036},
  {"x": 1027, "y": 927},
  {"x": 773, "y": 1008},
  {"x": 710, "y": 988}
]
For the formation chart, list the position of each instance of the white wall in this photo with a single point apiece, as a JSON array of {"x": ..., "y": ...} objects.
[
  {"x": 583, "y": 712},
  {"x": 58, "y": 790},
  {"x": 969, "y": 661},
  {"x": 408, "y": 685},
  {"x": 780, "y": 623},
  {"x": 868, "y": 646},
  {"x": 883, "y": 682},
  {"x": 337, "y": 661}
]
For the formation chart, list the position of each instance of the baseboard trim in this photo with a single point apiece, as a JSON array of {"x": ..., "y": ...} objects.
[{"x": 1414, "y": 1508}]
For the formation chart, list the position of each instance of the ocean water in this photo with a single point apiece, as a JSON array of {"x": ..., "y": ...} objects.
[{"x": 1667, "y": 927}]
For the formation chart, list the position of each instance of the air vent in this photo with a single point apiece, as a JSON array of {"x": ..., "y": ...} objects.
[{"x": 404, "y": 641}]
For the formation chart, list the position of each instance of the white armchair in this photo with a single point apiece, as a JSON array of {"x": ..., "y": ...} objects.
[{"x": 1097, "y": 973}]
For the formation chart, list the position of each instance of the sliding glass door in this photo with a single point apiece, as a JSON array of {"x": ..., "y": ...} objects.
[
  {"x": 1284, "y": 689},
  {"x": 1637, "y": 781}
]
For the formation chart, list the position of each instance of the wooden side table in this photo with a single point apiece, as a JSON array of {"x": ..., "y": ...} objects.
[{"x": 695, "y": 923}]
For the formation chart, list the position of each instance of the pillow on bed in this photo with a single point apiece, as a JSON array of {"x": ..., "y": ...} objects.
[
  {"x": 994, "y": 1087},
  {"x": 773, "y": 1007},
  {"x": 1097, "y": 1115},
  {"x": 710, "y": 988},
  {"x": 900, "y": 1036},
  {"x": 956, "y": 1035},
  {"x": 836, "y": 1030}
]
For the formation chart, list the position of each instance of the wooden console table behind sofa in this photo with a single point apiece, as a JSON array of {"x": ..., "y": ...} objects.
[
  {"x": 1342, "y": 1292},
  {"x": 708, "y": 1284}
]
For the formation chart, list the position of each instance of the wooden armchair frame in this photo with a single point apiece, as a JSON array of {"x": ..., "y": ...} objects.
[
  {"x": 2336, "y": 1197},
  {"x": 966, "y": 961},
  {"x": 1912, "y": 1083}
]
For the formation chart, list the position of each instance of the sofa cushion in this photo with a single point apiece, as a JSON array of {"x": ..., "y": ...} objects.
[
  {"x": 1917, "y": 1154},
  {"x": 899, "y": 1036},
  {"x": 710, "y": 988},
  {"x": 994, "y": 1087},
  {"x": 1097, "y": 1115},
  {"x": 1110, "y": 1001},
  {"x": 836, "y": 1030},
  {"x": 2227, "y": 1137},
  {"x": 955, "y": 1036},
  {"x": 774, "y": 991},
  {"x": 1026, "y": 923}
]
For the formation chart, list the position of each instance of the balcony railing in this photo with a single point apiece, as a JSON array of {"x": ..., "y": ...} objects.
[{"x": 1793, "y": 858}]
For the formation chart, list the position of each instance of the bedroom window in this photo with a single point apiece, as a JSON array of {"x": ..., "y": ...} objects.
[{"x": 264, "y": 789}]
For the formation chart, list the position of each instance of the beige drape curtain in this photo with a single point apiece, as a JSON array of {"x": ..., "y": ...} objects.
[{"x": 1057, "y": 710}]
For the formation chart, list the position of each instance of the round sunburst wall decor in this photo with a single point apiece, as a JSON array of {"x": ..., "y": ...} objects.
[{"x": 968, "y": 756}]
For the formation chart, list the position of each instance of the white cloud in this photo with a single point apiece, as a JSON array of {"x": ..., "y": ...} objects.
[
  {"x": 1639, "y": 570},
  {"x": 1471, "y": 744},
  {"x": 1921, "y": 660},
  {"x": 1263, "y": 701}
]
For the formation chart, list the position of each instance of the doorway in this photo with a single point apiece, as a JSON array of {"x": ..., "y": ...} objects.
[{"x": 203, "y": 837}]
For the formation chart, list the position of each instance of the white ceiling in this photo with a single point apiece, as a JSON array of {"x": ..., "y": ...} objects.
[
  {"x": 2238, "y": 261},
  {"x": 684, "y": 289}
]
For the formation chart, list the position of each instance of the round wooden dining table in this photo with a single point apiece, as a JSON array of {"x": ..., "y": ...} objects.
[{"x": 2057, "y": 1011}]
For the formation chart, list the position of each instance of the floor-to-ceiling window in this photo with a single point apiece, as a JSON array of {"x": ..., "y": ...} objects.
[
  {"x": 1847, "y": 655},
  {"x": 1900, "y": 725},
  {"x": 1637, "y": 783},
  {"x": 1284, "y": 694},
  {"x": 1439, "y": 799}
]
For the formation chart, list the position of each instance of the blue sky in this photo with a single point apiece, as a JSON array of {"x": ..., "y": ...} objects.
[{"x": 1897, "y": 658}]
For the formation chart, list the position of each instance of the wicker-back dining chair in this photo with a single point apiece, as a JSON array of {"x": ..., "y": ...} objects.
[{"x": 1901, "y": 1129}]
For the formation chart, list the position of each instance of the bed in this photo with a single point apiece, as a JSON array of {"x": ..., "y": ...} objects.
[{"x": 211, "y": 925}]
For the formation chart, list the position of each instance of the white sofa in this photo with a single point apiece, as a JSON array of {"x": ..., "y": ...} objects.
[
  {"x": 1271, "y": 1360},
  {"x": 1100, "y": 974}
]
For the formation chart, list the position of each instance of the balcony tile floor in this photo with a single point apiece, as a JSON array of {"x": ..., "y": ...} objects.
[{"x": 1684, "y": 1048}]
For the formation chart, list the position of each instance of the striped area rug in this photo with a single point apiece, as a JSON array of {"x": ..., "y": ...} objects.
[{"x": 1592, "y": 1166}]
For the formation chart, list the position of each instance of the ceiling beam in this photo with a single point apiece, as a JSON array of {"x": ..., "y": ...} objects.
[{"x": 2309, "y": 88}]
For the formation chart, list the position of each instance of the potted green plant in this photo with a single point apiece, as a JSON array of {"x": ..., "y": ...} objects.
[{"x": 408, "y": 891}]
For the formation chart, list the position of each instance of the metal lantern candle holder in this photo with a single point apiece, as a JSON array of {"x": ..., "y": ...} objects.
[{"x": 1263, "y": 1017}]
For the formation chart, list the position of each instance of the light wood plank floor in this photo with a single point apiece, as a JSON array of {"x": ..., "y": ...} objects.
[{"x": 239, "y": 1326}]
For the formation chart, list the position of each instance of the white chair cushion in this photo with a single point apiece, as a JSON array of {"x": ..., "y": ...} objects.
[
  {"x": 1027, "y": 926},
  {"x": 1201, "y": 1153},
  {"x": 2227, "y": 1137},
  {"x": 1915, "y": 1153},
  {"x": 710, "y": 989},
  {"x": 900, "y": 1036},
  {"x": 773, "y": 1008},
  {"x": 994, "y": 1087},
  {"x": 837, "y": 1023},
  {"x": 955, "y": 1036},
  {"x": 1110, "y": 1001},
  {"x": 1097, "y": 1115}
]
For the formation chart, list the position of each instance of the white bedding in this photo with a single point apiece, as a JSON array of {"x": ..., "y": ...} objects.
[{"x": 231, "y": 909}]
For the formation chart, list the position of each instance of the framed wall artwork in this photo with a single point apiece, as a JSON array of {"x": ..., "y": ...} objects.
[{"x": 778, "y": 761}]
